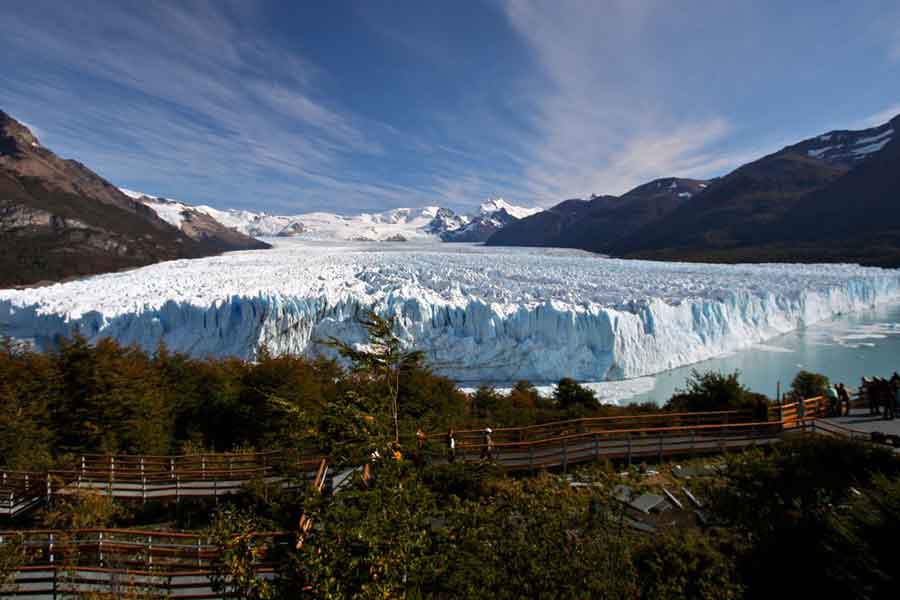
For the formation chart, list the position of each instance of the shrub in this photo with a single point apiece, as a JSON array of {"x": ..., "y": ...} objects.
[
  {"x": 568, "y": 394},
  {"x": 714, "y": 391},
  {"x": 809, "y": 385}
]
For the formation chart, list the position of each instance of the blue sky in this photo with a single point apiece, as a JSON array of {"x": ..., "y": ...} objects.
[{"x": 293, "y": 106}]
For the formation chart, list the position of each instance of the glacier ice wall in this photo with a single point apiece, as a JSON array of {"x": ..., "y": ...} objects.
[{"x": 481, "y": 314}]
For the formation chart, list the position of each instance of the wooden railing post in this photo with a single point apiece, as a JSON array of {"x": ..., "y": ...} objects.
[
  {"x": 628, "y": 437},
  {"x": 565, "y": 455},
  {"x": 596, "y": 447}
]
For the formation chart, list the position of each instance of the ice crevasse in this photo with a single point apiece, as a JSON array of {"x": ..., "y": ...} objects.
[{"x": 481, "y": 314}]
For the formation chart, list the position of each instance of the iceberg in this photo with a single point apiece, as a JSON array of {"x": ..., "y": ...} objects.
[{"x": 480, "y": 313}]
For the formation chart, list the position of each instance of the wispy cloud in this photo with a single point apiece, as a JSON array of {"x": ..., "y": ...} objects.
[
  {"x": 192, "y": 97},
  {"x": 879, "y": 118},
  {"x": 604, "y": 127}
]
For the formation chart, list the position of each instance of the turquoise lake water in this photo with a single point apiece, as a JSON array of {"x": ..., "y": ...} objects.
[{"x": 845, "y": 349}]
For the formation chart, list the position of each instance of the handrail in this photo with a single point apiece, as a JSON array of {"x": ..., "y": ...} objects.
[
  {"x": 581, "y": 420},
  {"x": 127, "y": 532},
  {"x": 591, "y": 434}
]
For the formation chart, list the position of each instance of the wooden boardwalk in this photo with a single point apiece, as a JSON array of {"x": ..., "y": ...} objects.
[
  {"x": 155, "y": 477},
  {"x": 177, "y": 565}
]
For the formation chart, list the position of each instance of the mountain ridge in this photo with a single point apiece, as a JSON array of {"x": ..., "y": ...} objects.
[
  {"x": 59, "y": 219},
  {"x": 790, "y": 205}
]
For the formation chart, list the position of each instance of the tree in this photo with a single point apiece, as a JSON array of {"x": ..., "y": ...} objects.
[
  {"x": 235, "y": 570},
  {"x": 569, "y": 394},
  {"x": 383, "y": 358},
  {"x": 687, "y": 564},
  {"x": 713, "y": 391},
  {"x": 809, "y": 385},
  {"x": 351, "y": 430},
  {"x": 374, "y": 541},
  {"x": 12, "y": 556},
  {"x": 781, "y": 503},
  {"x": 863, "y": 542}
]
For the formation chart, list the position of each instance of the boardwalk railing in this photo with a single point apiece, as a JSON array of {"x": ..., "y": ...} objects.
[
  {"x": 62, "y": 564},
  {"x": 628, "y": 444},
  {"x": 600, "y": 424},
  {"x": 154, "y": 477},
  {"x": 639, "y": 436}
]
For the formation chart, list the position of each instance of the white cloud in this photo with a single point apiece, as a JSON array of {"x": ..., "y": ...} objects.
[
  {"x": 879, "y": 118},
  {"x": 188, "y": 96},
  {"x": 604, "y": 123}
]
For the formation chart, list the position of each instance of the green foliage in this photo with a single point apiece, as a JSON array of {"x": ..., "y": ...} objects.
[
  {"x": 383, "y": 359},
  {"x": 451, "y": 534},
  {"x": 240, "y": 552},
  {"x": 714, "y": 391},
  {"x": 27, "y": 385},
  {"x": 106, "y": 398},
  {"x": 374, "y": 542},
  {"x": 12, "y": 556},
  {"x": 536, "y": 539},
  {"x": 352, "y": 428},
  {"x": 568, "y": 394},
  {"x": 782, "y": 504},
  {"x": 82, "y": 510},
  {"x": 863, "y": 542},
  {"x": 687, "y": 565},
  {"x": 809, "y": 385}
]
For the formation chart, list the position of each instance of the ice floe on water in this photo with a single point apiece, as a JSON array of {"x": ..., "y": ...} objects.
[{"x": 481, "y": 314}]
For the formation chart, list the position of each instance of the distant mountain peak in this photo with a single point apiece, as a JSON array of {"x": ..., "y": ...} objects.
[{"x": 494, "y": 205}]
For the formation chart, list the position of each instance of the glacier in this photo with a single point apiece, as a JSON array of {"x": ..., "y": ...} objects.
[{"x": 480, "y": 313}]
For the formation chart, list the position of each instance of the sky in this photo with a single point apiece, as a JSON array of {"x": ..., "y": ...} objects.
[{"x": 290, "y": 107}]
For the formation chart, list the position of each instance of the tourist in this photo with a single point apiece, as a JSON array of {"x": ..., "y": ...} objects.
[
  {"x": 451, "y": 445},
  {"x": 844, "y": 399},
  {"x": 868, "y": 387},
  {"x": 833, "y": 400},
  {"x": 487, "y": 448},
  {"x": 885, "y": 392},
  {"x": 893, "y": 399}
]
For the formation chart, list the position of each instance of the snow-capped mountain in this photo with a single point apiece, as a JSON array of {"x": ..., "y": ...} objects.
[
  {"x": 496, "y": 205},
  {"x": 845, "y": 147},
  {"x": 429, "y": 223}
]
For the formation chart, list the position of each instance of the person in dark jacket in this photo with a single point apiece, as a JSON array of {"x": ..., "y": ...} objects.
[{"x": 844, "y": 399}]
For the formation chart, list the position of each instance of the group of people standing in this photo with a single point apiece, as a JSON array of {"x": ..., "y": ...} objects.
[
  {"x": 883, "y": 394},
  {"x": 838, "y": 400}
]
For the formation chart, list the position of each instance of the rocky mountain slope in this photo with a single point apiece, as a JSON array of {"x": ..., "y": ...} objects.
[
  {"x": 198, "y": 224},
  {"x": 58, "y": 219},
  {"x": 597, "y": 224},
  {"x": 830, "y": 198}
]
